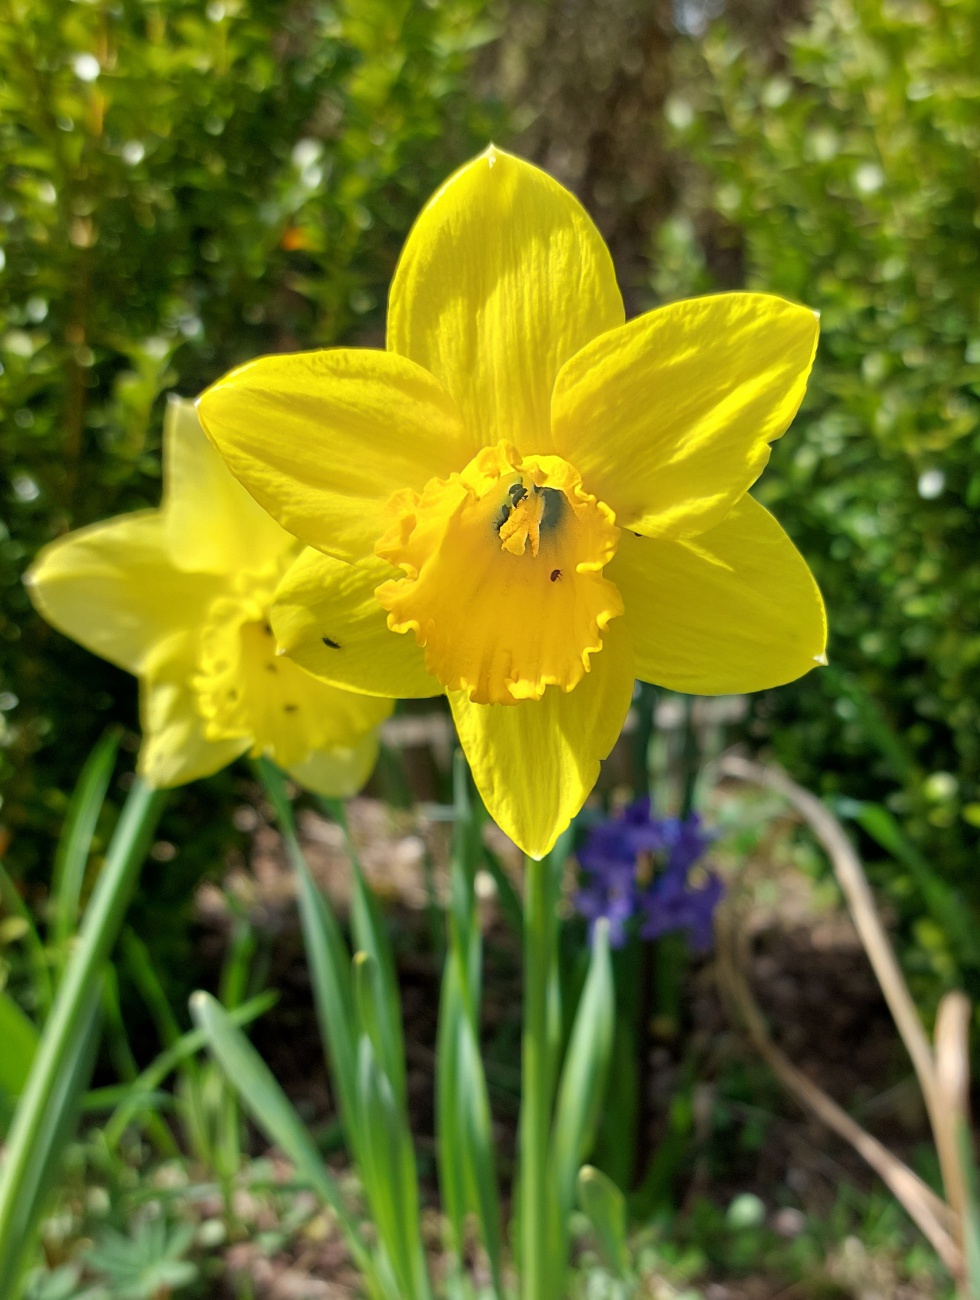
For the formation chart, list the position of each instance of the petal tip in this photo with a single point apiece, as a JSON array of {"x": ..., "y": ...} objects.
[{"x": 821, "y": 659}]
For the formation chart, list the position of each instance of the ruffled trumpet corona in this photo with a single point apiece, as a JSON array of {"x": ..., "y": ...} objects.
[
  {"x": 526, "y": 502},
  {"x": 181, "y": 597}
]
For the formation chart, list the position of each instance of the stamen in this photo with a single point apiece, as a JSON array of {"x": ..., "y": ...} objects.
[{"x": 524, "y": 522}]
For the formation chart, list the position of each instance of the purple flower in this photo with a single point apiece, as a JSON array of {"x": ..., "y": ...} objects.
[
  {"x": 671, "y": 904},
  {"x": 638, "y": 865}
]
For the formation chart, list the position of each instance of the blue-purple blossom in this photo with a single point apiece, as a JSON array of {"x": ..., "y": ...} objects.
[{"x": 637, "y": 865}]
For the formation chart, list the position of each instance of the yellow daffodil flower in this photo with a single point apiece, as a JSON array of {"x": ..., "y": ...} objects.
[
  {"x": 527, "y": 502},
  {"x": 181, "y": 597}
]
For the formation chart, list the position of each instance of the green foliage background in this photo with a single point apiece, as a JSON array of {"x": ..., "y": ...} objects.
[{"x": 848, "y": 177}]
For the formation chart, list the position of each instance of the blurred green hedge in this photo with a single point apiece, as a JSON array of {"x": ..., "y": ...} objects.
[
  {"x": 848, "y": 178},
  {"x": 184, "y": 186}
]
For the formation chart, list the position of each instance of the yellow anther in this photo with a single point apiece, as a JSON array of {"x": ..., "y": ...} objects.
[{"x": 523, "y": 523}]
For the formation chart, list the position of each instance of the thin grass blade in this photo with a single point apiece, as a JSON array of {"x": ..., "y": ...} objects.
[
  {"x": 390, "y": 1177},
  {"x": 476, "y": 1137},
  {"x": 329, "y": 959},
  {"x": 272, "y": 1111},
  {"x": 19, "y": 1039},
  {"x": 604, "y": 1205},
  {"x": 50, "y": 1138},
  {"x": 452, "y": 1170},
  {"x": 583, "y": 1081},
  {"x": 187, "y": 1046},
  {"x": 75, "y": 842},
  {"x": 14, "y": 905},
  {"x": 371, "y": 937},
  {"x": 57, "y": 1057}
]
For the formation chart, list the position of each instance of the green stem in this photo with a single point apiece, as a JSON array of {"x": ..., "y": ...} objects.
[
  {"x": 539, "y": 935},
  {"x": 98, "y": 932}
]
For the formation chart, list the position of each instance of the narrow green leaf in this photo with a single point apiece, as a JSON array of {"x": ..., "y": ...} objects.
[
  {"x": 605, "y": 1207},
  {"x": 582, "y": 1083},
  {"x": 452, "y": 1171},
  {"x": 466, "y": 1153},
  {"x": 99, "y": 1100},
  {"x": 120, "y": 1053},
  {"x": 393, "y": 1188},
  {"x": 50, "y": 1137},
  {"x": 615, "y": 1149},
  {"x": 272, "y": 1111},
  {"x": 367, "y": 998},
  {"x": 75, "y": 842},
  {"x": 476, "y": 1138},
  {"x": 142, "y": 972},
  {"x": 58, "y": 1059},
  {"x": 370, "y": 936},
  {"x": 185, "y": 1047},
  {"x": 329, "y": 960},
  {"x": 18, "y": 1043},
  {"x": 382, "y": 1162},
  {"x": 12, "y": 903}
]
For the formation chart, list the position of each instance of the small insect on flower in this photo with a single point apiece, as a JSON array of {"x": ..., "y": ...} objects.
[{"x": 526, "y": 501}]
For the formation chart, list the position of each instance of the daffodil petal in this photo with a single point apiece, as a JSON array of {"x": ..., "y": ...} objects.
[
  {"x": 535, "y": 763},
  {"x": 338, "y": 773},
  {"x": 669, "y": 419},
  {"x": 113, "y": 588},
  {"x": 502, "y": 279},
  {"x": 174, "y": 749},
  {"x": 323, "y": 439},
  {"x": 325, "y": 617},
  {"x": 735, "y": 609},
  {"x": 212, "y": 524}
]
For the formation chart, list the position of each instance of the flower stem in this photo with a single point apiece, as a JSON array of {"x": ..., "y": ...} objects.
[
  {"x": 539, "y": 941},
  {"x": 59, "y": 1046}
]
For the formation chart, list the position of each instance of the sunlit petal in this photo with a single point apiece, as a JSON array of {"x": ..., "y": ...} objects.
[
  {"x": 175, "y": 749},
  {"x": 113, "y": 588},
  {"x": 735, "y": 609},
  {"x": 535, "y": 763},
  {"x": 212, "y": 524},
  {"x": 669, "y": 419},
  {"x": 325, "y": 617},
  {"x": 502, "y": 279},
  {"x": 338, "y": 773},
  {"x": 323, "y": 439}
]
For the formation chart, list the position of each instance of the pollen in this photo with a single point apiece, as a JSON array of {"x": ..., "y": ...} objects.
[{"x": 481, "y": 554}]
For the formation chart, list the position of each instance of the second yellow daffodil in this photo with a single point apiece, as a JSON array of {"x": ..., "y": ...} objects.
[
  {"x": 527, "y": 502},
  {"x": 181, "y": 597}
]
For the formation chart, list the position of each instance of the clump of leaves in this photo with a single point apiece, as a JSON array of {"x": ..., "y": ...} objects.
[{"x": 149, "y": 1265}]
